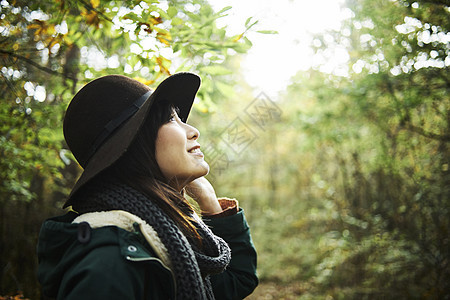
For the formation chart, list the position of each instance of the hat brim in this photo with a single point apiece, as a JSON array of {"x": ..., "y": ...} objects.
[{"x": 179, "y": 90}]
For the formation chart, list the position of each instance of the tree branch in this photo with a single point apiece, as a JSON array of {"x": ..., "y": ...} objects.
[
  {"x": 438, "y": 2},
  {"x": 90, "y": 7},
  {"x": 38, "y": 66},
  {"x": 431, "y": 135}
]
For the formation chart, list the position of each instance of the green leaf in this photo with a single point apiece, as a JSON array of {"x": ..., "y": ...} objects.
[
  {"x": 267, "y": 31},
  {"x": 172, "y": 12},
  {"x": 224, "y": 88},
  {"x": 224, "y": 10},
  {"x": 247, "y": 21},
  {"x": 216, "y": 70}
]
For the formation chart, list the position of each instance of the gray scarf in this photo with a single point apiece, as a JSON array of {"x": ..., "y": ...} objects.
[{"x": 191, "y": 266}]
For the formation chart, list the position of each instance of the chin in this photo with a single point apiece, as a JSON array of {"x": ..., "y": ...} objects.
[
  {"x": 206, "y": 168},
  {"x": 203, "y": 171}
]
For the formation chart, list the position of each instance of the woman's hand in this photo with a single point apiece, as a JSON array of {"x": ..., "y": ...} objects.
[{"x": 203, "y": 193}]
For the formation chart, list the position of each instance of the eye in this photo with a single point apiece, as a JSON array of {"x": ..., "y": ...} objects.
[{"x": 172, "y": 118}]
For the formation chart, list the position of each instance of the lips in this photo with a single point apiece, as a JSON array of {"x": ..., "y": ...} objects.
[{"x": 195, "y": 149}]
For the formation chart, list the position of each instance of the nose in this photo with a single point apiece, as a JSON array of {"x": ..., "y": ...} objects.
[{"x": 192, "y": 133}]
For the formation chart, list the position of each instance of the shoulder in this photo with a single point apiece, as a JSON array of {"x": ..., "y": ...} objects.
[
  {"x": 94, "y": 266},
  {"x": 128, "y": 260},
  {"x": 115, "y": 249}
]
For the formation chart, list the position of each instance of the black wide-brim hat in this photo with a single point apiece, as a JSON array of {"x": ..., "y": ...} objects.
[{"x": 103, "y": 118}]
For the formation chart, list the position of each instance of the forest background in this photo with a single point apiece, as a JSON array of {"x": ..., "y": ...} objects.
[{"x": 344, "y": 179}]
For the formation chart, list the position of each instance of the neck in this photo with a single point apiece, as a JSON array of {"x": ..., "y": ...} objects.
[{"x": 176, "y": 184}]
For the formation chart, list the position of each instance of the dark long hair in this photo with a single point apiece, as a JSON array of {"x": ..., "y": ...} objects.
[{"x": 138, "y": 168}]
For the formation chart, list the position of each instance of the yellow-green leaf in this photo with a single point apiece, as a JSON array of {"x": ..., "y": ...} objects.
[{"x": 95, "y": 3}]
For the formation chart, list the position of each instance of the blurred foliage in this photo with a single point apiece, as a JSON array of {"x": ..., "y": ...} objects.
[
  {"x": 16, "y": 297},
  {"x": 344, "y": 179},
  {"x": 385, "y": 131},
  {"x": 348, "y": 193},
  {"x": 48, "y": 50}
]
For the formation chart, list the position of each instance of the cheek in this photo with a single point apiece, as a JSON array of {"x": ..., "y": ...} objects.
[
  {"x": 170, "y": 138},
  {"x": 162, "y": 147},
  {"x": 168, "y": 149}
]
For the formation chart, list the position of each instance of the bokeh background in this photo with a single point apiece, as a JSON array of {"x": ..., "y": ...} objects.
[{"x": 328, "y": 121}]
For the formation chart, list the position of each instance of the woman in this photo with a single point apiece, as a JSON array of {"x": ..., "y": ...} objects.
[{"x": 131, "y": 233}]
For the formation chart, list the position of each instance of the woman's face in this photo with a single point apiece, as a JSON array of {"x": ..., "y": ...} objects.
[{"x": 178, "y": 153}]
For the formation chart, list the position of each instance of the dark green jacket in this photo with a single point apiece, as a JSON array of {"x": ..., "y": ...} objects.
[{"x": 112, "y": 263}]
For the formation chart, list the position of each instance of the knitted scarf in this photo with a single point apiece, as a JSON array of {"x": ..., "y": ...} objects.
[{"x": 190, "y": 266}]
